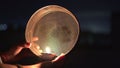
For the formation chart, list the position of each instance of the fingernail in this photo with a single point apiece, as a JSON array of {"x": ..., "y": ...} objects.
[{"x": 28, "y": 45}]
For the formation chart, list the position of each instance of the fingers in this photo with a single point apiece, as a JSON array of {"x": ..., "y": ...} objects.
[
  {"x": 28, "y": 44},
  {"x": 60, "y": 57},
  {"x": 17, "y": 49},
  {"x": 38, "y": 65},
  {"x": 7, "y": 66},
  {"x": 58, "y": 61}
]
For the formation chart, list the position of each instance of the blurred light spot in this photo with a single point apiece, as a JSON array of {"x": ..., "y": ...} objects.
[
  {"x": 3, "y": 27},
  {"x": 48, "y": 50}
]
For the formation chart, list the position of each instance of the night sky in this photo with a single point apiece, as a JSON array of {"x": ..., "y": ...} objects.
[{"x": 93, "y": 15}]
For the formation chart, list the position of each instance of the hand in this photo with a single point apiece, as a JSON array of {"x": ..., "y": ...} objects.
[
  {"x": 13, "y": 52},
  {"x": 21, "y": 51},
  {"x": 17, "y": 52},
  {"x": 56, "y": 63}
]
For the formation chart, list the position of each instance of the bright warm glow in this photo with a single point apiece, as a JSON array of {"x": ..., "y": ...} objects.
[
  {"x": 48, "y": 50},
  {"x": 58, "y": 57}
]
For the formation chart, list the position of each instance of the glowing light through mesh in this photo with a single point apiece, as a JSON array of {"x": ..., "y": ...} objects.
[{"x": 48, "y": 50}]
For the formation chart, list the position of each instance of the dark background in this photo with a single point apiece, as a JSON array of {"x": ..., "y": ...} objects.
[{"x": 98, "y": 19}]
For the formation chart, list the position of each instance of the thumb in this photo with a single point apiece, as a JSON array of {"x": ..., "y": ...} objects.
[
  {"x": 7, "y": 56},
  {"x": 16, "y": 50}
]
